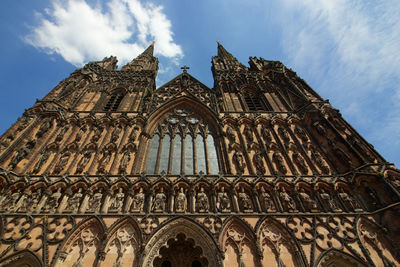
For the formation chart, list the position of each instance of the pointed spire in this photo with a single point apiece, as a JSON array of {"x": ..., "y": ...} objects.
[
  {"x": 223, "y": 54},
  {"x": 225, "y": 60},
  {"x": 145, "y": 61}
]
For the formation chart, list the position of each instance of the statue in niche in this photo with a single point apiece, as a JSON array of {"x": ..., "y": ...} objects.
[
  {"x": 62, "y": 162},
  {"x": 138, "y": 201},
  {"x": 299, "y": 161},
  {"x": 287, "y": 201},
  {"x": 223, "y": 202},
  {"x": 266, "y": 200},
  {"x": 84, "y": 161},
  {"x": 316, "y": 156},
  {"x": 248, "y": 133},
  {"x": 181, "y": 201},
  {"x": 348, "y": 200},
  {"x": 285, "y": 136},
  {"x": 115, "y": 133},
  {"x": 95, "y": 201},
  {"x": 42, "y": 160},
  {"x": 245, "y": 201},
  {"x": 21, "y": 153},
  {"x": 159, "y": 201},
  {"x": 277, "y": 158},
  {"x": 118, "y": 201},
  {"x": 9, "y": 201},
  {"x": 308, "y": 203},
  {"x": 60, "y": 136},
  {"x": 104, "y": 161},
  {"x": 301, "y": 134},
  {"x": 230, "y": 134},
  {"x": 44, "y": 128},
  {"x": 327, "y": 200},
  {"x": 53, "y": 201},
  {"x": 124, "y": 242},
  {"x": 238, "y": 160},
  {"x": 75, "y": 201},
  {"x": 340, "y": 153},
  {"x": 258, "y": 162},
  {"x": 97, "y": 134},
  {"x": 373, "y": 197},
  {"x": 202, "y": 201},
  {"x": 133, "y": 135},
  {"x": 86, "y": 242},
  {"x": 32, "y": 202},
  {"x": 318, "y": 125},
  {"x": 126, "y": 158},
  {"x": 266, "y": 135}
]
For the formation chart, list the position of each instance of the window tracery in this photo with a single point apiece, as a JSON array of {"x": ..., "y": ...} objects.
[{"x": 182, "y": 144}]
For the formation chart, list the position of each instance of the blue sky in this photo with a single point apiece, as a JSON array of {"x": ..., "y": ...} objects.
[{"x": 348, "y": 51}]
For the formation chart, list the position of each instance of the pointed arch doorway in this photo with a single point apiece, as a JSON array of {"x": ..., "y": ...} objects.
[{"x": 181, "y": 243}]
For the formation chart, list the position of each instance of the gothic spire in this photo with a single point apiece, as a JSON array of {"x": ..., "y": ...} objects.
[
  {"x": 225, "y": 60},
  {"x": 145, "y": 61}
]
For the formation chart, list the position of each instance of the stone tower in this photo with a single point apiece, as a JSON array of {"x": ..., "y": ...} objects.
[{"x": 107, "y": 170}]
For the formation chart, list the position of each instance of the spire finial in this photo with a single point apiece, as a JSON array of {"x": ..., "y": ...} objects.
[{"x": 185, "y": 68}]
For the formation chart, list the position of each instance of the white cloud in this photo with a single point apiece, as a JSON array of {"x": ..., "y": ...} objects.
[
  {"x": 349, "y": 50},
  {"x": 80, "y": 32}
]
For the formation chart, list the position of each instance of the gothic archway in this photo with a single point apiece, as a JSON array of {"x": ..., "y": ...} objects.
[
  {"x": 24, "y": 258},
  {"x": 334, "y": 258},
  {"x": 178, "y": 232}
]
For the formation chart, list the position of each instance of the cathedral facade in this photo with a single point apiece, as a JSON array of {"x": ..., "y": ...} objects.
[{"x": 108, "y": 170}]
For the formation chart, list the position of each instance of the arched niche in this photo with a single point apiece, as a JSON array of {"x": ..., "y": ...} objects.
[
  {"x": 191, "y": 231},
  {"x": 23, "y": 258},
  {"x": 238, "y": 242},
  {"x": 82, "y": 245},
  {"x": 276, "y": 244},
  {"x": 333, "y": 258},
  {"x": 123, "y": 244}
]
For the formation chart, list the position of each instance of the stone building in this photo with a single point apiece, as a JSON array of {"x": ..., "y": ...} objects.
[{"x": 108, "y": 170}]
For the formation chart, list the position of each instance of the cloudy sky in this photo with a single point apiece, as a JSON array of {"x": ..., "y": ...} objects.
[{"x": 348, "y": 51}]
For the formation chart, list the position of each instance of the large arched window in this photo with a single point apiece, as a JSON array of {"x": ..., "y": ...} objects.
[
  {"x": 114, "y": 101},
  {"x": 182, "y": 144}
]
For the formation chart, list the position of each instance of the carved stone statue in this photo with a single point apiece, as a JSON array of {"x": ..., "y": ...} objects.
[
  {"x": 230, "y": 134},
  {"x": 115, "y": 133},
  {"x": 97, "y": 134},
  {"x": 238, "y": 160},
  {"x": 60, "y": 136},
  {"x": 181, "y": 201},
  {"x": 62, "y": 162},
  {"x": 245, "y": 201},
  {"x": 118, "y": 201},
  {"x": 266, "y": 200},
  {"x": 42, "y": 160},
  {"x": 44, "y": 128},
  {"x": 223, "y": 202},
  {"x": 95, "y": 201},
  {"x": 84, "y": 161},
  {"x": 299, "y": 161},
  {"x": 259, "y": 162},
  {"x": 75, "y": 201},
  {"x": 266, "y": 135},
  {"x": 327, "y": 200},
  {"x": 33, "y": 201},
  {"x": 320, "y": 128},
  {"x": 301, "y": 134},
  {"x": 285, "y": 136},
  {"x": 348, "y": 200},
  {"x": 287, "y": 201},
  {"x": 9, "y": 201},
  {"x": 202, "y": 201},
  {"x": 138, "y": 201},
  {"x": 248, "y": 133},
  {"x": 278, "y": 160},
  {"x": 159, "y": 201},
  {"x": 103, "y": 162},
  {"x": 308, "y": 203},
  {"x": 53, "y": 201},
  {"x": 126, "y": 158},
  {"x": 316, "y": 156},
  {"x": 21, "y": 153}
]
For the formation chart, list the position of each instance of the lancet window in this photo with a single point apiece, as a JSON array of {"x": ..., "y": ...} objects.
[
  {"x": 114, "y": 101},
  {"x": 182, "y": 144},
  {"x": 254, "y": 101}
]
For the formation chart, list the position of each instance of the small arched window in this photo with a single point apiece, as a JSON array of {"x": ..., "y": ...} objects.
[
  {"x": 255, "y": 101},
  {"x": 114, "y": 101},
  {"x": 182, "y": 144}
]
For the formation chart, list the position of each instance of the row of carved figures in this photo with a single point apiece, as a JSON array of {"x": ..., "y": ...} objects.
[{"x": 181, "y": 199}]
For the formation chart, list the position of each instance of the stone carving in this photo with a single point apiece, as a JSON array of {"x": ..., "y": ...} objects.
[
  {"x": 62, "y": 163},
  {"x": 248, "y": 133},
  {"x": 115, "y": 134},
  {"x": 97, "y": 134},
  {"x": 159, "y": 201},
  {"x": 30, "y": 200},
  {"x": 53, "y": 201},
  {"x": 86, "y": 244},
  {"x": 348, "y": 200},
  {"x": 300, "y": 162},
  {"x": 117, "y": 202},
  {"x": 9, "y": 201},
  {"x": 84, "y": 161},
  {"x": 25, "y": 121},
  {"x": 308, "y": 203},
  {"x": 266, "y": 135},
  {"x": 259, "y": 162},
  {"x": 202, "y": 201},
  {"x": 42, "y": 160},
  {"x": 124, "y": 243},
  {"x": 327, "y": 200},
  {"x": 301, "y": 134},
  {"x": 245, "y": 201},
  {"x": 6, "y": 142},
  {"x": 316, "y": 156},
  {"x": 340, "y": 153},
  {"x": 278, "y": 160},
  {"x": 44, "y": 128},
  {"x": 181, "y": 201},
  {"x": 60, "y": 136},
  {"x": 104, "y": 161},
  {"x": 357, "y": 144},
  {"x": 238, "y": 160},
  {"x": 95, "y": 201},
  {"x": 287, "y": 201},
  {"x": 373, "y": 197},
  {"x": 126, "y": 158},
  {"x": 138, "y": 201},
  {"x": 74, "y": 201},
  {"x": 285, "y": 136},
  {"x": 266, "y": 200},
  {"x": 21, "y": 153},
  {"x": 223, "y": 202},
  {"x": 230, "y": 134},
  {"x": 318, "y": 125}
]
